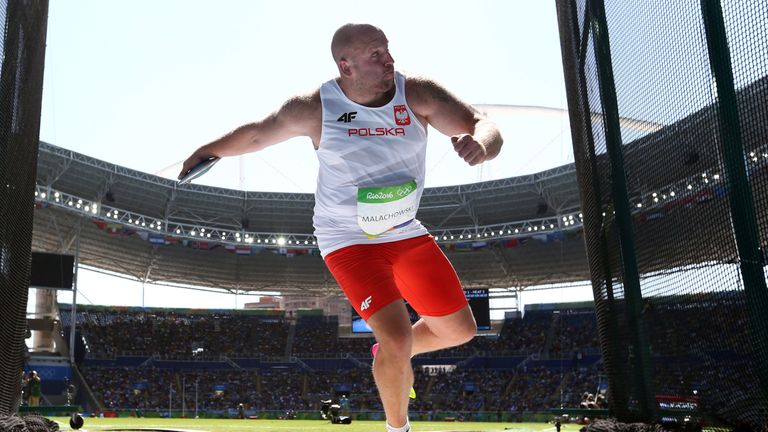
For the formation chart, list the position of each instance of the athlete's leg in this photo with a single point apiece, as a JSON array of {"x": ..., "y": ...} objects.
[
  {"x": 440, "y": 332},
  {"x": 428, "y": 281},
  {"x": 364, "y": 273},
  {"x": 392, "y": 368}
]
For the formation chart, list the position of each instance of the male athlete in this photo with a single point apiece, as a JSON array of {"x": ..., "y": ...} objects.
[{"x": 369, "y": 130}]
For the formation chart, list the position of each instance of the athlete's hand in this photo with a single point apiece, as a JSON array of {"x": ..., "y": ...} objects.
[
  {"x": 190, "y": 163},
  {"x": 469, "y": 149}
]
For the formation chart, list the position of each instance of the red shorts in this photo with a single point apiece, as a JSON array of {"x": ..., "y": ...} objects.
[{"x": 374, "y": 275}]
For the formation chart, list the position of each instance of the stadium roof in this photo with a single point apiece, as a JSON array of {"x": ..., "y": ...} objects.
[
  {"x": 510, "y": 233},
  {"x": 477, "y": 212}
]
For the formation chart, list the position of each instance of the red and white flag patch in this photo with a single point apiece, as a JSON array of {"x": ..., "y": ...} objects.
[{"x": 402, "y": 118}]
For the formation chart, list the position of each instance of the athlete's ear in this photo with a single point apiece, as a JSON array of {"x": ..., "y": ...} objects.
[{"x": 344, "y": 67}]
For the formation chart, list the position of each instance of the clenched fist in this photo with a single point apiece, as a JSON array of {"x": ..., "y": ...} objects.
[{"x": 469, "y": 149}]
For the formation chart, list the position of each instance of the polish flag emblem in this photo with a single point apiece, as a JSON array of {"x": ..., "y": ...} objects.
[{"x": 402, "y": 118}]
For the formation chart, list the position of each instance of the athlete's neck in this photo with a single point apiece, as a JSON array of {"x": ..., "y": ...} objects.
[{"x": 366, "y": 97}]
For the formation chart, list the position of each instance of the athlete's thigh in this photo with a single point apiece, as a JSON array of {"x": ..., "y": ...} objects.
[
  {"x": 366, "y": 277},
  {"x": 426, "y": 278}
]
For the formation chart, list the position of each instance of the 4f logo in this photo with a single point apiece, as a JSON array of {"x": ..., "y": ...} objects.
[
  {"x": 366, "y": 303},
  {"x": 402, "y": 118},
  {"x": 347, "y": 117}
]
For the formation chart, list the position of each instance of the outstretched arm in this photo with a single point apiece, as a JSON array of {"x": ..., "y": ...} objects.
[
  {"x": 298, "y": 116},
  {"x": 475, "y": 138}
]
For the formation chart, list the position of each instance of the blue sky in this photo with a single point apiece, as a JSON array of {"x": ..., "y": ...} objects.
[{"x": 143, "y": 83}]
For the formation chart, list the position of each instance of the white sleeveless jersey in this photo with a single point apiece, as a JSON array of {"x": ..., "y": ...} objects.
[{"x": 371, "y": 176}]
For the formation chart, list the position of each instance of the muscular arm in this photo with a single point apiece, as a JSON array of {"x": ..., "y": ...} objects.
[
  {"x": 475, "y": 138},
  {"x": 298, "y": 116}
]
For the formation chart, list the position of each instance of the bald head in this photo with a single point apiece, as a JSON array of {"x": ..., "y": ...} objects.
[{"x": 348, "y": 35}]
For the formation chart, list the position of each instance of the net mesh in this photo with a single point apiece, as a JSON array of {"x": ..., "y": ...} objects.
[
  {"x": 28, "y": 423},
  {"x": 660, "y": 207},
  {"x": 21, "y": 82}
]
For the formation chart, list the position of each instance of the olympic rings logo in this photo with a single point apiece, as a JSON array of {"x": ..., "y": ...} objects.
[{"x": 404, "y": 190}]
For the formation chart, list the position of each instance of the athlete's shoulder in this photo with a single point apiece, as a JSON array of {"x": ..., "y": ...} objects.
[
  {"x": 304, "y": 103},
  {"x": 424, "y": 94},
  {"x": 303, "y": 108}
]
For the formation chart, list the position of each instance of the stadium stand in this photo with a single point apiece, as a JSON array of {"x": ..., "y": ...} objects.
[{"x": 139, "y": 358}]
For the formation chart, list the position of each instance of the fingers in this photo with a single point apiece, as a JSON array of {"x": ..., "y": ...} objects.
[
  {"x": 184, "y": 169},
  {"x": 189, "y": 164},
  {"x": 469, "y": 149}
]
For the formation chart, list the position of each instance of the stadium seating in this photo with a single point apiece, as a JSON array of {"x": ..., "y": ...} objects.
[{"x": 547, "y": 359}]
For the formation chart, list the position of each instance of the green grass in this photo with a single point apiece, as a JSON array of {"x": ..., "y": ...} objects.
[{"x": 214, "y": 425}]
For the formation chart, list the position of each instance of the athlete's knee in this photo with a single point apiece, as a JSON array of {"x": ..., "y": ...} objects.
[
  {"x": 465, "y": 332},
  {"x": 459, "y": 332},
  {"x": 396, "y": 342}
]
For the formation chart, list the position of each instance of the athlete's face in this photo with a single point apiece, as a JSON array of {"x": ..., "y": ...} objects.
[{"x": 371, "y": 63}]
